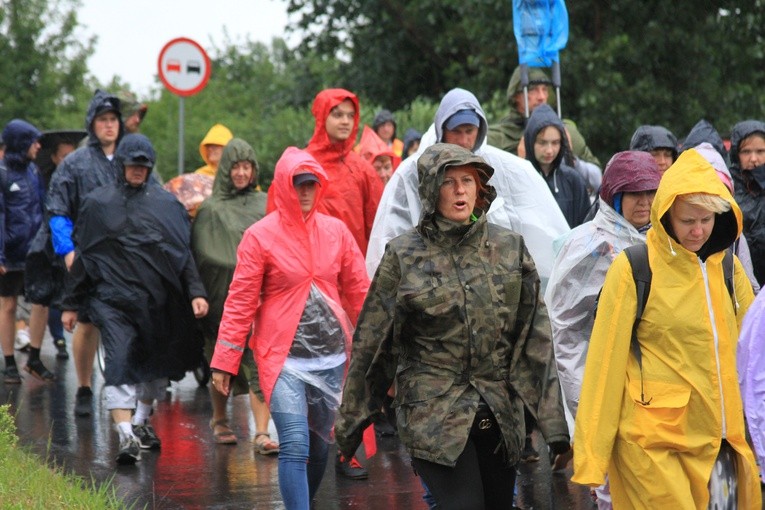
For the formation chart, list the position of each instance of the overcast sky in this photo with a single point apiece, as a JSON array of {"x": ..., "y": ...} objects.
[{"x": 131, "y": 33}]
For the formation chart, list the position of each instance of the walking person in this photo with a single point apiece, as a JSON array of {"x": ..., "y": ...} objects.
[
  {"x": 454, "y": 316},
  {"x": 135, "y": 271},
  {"x": 235, "y": 204},
  {"x": 285, "y": 302},
  {"x": 660, "y": 401}
]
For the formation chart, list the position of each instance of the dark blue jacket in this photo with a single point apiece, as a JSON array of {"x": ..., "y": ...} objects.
[
  {"x": 82, "y": 171},
  {"x": 22, "y": 195},
  {"x": 565, "y": 183}
]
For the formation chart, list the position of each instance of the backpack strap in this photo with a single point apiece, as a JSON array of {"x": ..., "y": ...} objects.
[
  {"x": 727, "y": 265},
  {"x": 641, "y": 272}
]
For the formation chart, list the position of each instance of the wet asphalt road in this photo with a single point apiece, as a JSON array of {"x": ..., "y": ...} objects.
[{"x": 192, "y": 472}]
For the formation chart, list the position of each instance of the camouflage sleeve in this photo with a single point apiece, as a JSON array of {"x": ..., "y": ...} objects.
[
  {"x": 533, "y": 373},
  {"x": 374, "y": 357}
]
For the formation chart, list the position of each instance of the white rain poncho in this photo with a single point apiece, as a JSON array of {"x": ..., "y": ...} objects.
[
  {"x": 577, "y": 277},
  {"x": 524, "y": 203}
]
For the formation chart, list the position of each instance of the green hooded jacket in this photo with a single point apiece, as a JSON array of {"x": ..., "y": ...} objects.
[
  {"x": 219, "y": 225},
  {"x": 454, "y": 316}
]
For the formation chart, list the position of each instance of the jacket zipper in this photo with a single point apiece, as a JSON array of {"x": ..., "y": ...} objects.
[{"x": 716, "y": 341}]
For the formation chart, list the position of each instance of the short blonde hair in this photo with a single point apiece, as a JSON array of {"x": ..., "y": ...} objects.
[{"x": 711, "y": 203}]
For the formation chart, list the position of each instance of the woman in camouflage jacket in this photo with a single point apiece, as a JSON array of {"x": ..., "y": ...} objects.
[{"x": 454, "y": 315}]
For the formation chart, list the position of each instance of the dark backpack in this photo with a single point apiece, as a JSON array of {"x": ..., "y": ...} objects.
[{"x": 637, "y": 256}]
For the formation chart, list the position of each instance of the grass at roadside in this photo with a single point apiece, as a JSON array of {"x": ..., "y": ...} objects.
[{"x": 27, "y": 482}]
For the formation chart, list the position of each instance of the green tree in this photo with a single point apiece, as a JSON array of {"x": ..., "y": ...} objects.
[
  {"x": 43, "y": 64},
  {"x": 627, "y": 63}
]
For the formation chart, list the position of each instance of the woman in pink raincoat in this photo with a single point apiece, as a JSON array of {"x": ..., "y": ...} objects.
[{"x": 290, "y": 268}]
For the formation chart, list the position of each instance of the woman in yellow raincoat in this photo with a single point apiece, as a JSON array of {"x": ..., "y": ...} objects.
[{"x": 657, "y": 432}]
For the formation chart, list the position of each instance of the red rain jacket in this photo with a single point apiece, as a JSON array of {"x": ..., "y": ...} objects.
[
  {"x": 355, "y": 189},
  {"x": 278, "y": 259}
]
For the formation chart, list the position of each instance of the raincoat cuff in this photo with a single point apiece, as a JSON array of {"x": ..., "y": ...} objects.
[{"x": 588, "y": 476}]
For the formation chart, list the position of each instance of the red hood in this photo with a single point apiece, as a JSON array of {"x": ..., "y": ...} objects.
[
  {"x": 320, "y": 145},
  {"x": 372, "y": 146}
]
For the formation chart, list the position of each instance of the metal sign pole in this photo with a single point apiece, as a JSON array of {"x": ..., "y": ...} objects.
[{"x": 181, "y": 123}]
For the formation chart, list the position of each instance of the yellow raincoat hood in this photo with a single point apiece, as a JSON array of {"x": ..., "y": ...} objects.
[
  {"x": 657, "y": 432},
  {"x": 217, "y": 135}
]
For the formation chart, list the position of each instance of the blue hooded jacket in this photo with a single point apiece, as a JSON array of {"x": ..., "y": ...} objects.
[{"x": 22, "y": 194}]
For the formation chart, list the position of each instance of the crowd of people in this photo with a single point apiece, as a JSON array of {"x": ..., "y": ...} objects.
[{"x": 462, "y": 288}]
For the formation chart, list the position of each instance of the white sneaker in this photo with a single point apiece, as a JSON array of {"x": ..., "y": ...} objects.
[{"x": 22, "y": 339}]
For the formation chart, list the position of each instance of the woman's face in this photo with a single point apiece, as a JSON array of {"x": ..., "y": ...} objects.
[
  {"x": 457, "y": 195},
  {"x": 636, "y": 207},
  {"x": 306, "y": 193},
  {"x": 692, "y": 224},
  {"x": 751, "y": 151},
  {"x": 384, "y": 167},
  {"x": 241, "y": 174}
]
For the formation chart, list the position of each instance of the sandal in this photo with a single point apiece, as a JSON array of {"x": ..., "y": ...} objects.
[
  {"x": 225, "y": 435},
  {"x": 264, "y": 445},
  {"x": 38, "y": 371}
]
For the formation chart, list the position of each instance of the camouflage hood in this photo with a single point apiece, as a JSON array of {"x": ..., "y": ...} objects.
[
  {"x": 431, "y": 167},
  {"x": 236, "y": 150}
]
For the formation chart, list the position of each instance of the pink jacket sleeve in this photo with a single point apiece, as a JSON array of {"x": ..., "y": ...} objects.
[{"x": 241, "y": 305}]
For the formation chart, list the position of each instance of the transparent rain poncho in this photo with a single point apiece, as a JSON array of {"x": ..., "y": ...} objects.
[
  {"x": 321, "y": 345},
  {"x": 577, "y": 277}
]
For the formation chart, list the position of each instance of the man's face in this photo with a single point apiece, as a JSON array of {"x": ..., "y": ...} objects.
[
  {"x": 384, "y": 167},
  {"x": 241, "y": 174},
  {"x": 62, "y": 149},
  {"x": 547, "y": 147},
  {"x": 33, "y": 150},
  {"x": 692, "y": 224},
  {"x": 107, "y": 128},
  {"x": 751, "y": 151},
  {"x": 340, "y": 121},
  {"x": 663, "y": 157},
  {"x": 135, "y": 175},
  {"x": 306, "y": 193},
  {"x": 133, "y": 122},
  {"x": 385, "y": 131},
  {"x": 463, "y": 135},
  {"x": 537, "y": 95}
]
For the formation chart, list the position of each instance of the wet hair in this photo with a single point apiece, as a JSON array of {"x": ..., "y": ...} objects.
[{"x": 711, "y": 203}]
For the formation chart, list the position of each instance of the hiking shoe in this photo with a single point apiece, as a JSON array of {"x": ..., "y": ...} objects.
[
  {"x": 529, "y": 454},
  {"x": 147, "y": 438},
  {"x": 60, "y": 344},
  {"x": 83, "y": 402},
  {"x": 350, "y": 468},
  {"x": 21, "y": 342},
  {"x": 129, "y": 452},
  {"x": 11, "y": 375},
  {"x": 36, "y": 369}
]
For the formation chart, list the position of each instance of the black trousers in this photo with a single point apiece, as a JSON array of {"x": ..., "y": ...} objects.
[{"x": 479, "y": 481}]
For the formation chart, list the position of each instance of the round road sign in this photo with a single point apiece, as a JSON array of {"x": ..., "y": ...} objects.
[{"x": 184, "y": 67}]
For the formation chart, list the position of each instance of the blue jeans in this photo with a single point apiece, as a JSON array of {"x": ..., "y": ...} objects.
[{"x": 302, "y": 451}]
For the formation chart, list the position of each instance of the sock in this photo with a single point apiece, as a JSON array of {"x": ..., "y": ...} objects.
[
  {"x": 125, "y": 430},
  {"x": 142, "y": 413},
  {"x": 10, "y": 361},
  {"x": 34, "y": 354}
]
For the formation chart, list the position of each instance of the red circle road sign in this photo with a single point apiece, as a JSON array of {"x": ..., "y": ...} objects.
[{"x": 184, "y": 67}]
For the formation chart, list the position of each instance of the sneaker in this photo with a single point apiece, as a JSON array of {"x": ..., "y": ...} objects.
[
  {"x": 350, "y": 468},
  {"x": 21, "y": 343},
  {"x": 36, "y": 369},
  {"x": 60, "y": 344},
  {"x": 147, "y": 438},
  {"x": 83, "y": 402},
  {"x": 129, "y": 451},
  {"x": 529, "y": 454},
  {"x": 11, "y": 375}
]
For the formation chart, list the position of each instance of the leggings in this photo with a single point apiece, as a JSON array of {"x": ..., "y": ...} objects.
[{"x": 480, "y": 479}]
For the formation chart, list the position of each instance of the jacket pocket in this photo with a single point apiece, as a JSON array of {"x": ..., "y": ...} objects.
[{"x": 661, "y": 420}]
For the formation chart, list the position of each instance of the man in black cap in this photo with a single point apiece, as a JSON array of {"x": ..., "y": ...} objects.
[{"x": 137, "y": 278}]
